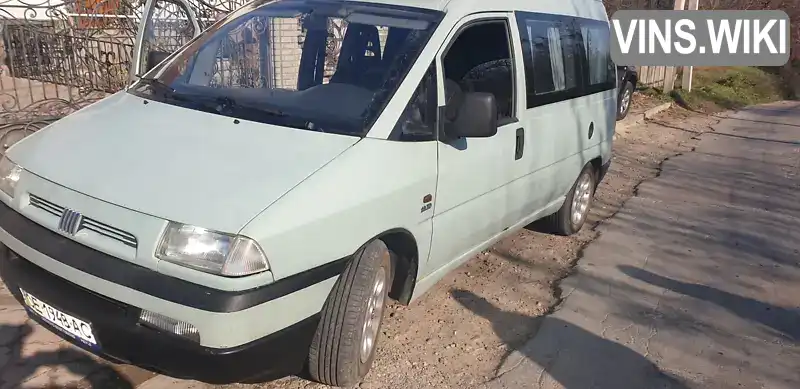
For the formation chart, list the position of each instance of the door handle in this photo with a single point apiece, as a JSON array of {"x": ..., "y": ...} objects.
[{"x": 520, "y": 143}]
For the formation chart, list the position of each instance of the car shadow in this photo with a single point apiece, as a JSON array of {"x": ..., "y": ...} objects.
[
  {"x": 17, "y": 370},
  {"x": 780, "y": 319},
  {"x": 569, "y": 354}
]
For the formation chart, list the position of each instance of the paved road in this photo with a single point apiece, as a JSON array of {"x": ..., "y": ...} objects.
[{"x": 695, "y": 283}]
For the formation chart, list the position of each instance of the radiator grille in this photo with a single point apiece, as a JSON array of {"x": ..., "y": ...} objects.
[{"x": 88, "y": 223}]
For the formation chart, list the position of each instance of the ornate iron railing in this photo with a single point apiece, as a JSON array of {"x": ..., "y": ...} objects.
[
  {"x": 76, "y": 61},
  {"x": 57, "y": 56}
]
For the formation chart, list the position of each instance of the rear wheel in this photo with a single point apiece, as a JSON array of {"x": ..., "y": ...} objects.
[
  {"x": 573, "y": 213},
  {"x": 344, "y": 345},
  {"x": 625, "y": 98}
]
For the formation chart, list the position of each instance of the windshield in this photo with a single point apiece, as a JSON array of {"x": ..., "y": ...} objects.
[{"x": 326, "y": 66}]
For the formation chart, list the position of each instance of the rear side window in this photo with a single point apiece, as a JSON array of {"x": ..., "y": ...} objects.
[
  {"x": 597, "y": 47},
  {"x": 565, "y": 57},
  {"x": 550, "y": 49}
]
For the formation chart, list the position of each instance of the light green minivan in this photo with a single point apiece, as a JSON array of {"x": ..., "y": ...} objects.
[{"x": 247, "y": 205}]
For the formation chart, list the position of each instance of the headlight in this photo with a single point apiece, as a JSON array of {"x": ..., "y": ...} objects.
[
  {"x": 211, "y": 251},
  {"x": 9, "y": 175}
]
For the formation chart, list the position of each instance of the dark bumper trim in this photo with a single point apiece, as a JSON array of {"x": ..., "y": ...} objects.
[
  {"x": 176, "y": 290},
  {"x": 121, "y": 339}
]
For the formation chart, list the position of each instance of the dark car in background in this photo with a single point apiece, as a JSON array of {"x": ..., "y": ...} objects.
[{"x": 627, "y": 76}]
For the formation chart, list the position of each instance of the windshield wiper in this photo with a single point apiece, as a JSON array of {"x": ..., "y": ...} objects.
[
  {"x": 247, "y": 110},
  {"x": 158, "y": 85},
  {"x": 227, "y": 106},
  {"x": 231, "y": 106}
]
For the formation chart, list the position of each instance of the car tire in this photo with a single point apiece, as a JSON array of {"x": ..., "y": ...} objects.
[
  {"x": 624, "y": 100},
  {"x": 339, "y": 355},
  {"x": 579, "y": 198}
]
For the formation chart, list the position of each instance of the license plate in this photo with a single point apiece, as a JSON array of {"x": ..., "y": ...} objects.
[{"x": 67, "y": 323}]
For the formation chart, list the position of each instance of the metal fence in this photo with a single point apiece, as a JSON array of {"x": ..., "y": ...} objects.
[
  {"x": 58, "y": 56},
  {"x": 53, "y": 58}
]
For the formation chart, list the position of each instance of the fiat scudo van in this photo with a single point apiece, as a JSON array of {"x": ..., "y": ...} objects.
[{"x": 246, "y": 206}]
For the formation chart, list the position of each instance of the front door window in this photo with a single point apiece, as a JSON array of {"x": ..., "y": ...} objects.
[{"x": 480, "y": 61}]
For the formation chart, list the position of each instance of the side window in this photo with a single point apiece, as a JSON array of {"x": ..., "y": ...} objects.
[
  {"x": 552, "y": 47},
  {"x": 479, "y": 60},
  {"x": 597, "y": 46},
  {"x": 418, "y": 121}
]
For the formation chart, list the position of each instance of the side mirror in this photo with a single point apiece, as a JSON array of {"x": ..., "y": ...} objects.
[
  {"x": 154, "y": 58},
  {"x": 476, "y": 117}
]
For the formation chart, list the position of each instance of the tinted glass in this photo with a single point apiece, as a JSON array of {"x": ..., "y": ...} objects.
[
  {"x": 565, "y": 57},
  {"x": 597, "y": 48}
]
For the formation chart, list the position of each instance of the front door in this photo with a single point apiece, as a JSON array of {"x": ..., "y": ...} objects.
[{"x": 473, "y": 203}]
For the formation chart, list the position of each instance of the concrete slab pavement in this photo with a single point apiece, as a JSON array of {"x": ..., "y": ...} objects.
[
  {"x": 695, "y": 283},
  {"x": 638, "y": 116}
]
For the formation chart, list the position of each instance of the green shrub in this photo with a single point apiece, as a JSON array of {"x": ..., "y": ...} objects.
[{"x": 734, "y": 87}]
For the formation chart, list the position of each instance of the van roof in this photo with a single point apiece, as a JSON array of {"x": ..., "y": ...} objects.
[
  {"x": 438, "y": 5},
  {"x": 585, "y": 8}
]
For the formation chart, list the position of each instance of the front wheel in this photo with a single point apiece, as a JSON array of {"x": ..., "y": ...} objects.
[{"x": 343, "y": 348}]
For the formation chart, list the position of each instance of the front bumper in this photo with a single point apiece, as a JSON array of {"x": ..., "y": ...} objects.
[
  {"x": 121, "y": 339},
  {"x": 258, "y": 333}
]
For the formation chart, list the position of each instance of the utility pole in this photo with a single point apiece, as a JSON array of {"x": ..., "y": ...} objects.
[
  {"x": 669, "y": 74},
  {"x": 686, "y": 82}
]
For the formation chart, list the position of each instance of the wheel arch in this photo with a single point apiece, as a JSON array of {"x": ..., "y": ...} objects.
[
  {"x": 634, "y": 79},
  {"x": 405, "y": 262},
  {"x": 597, "y": 163},
  {"x": 600, "y": 168}
]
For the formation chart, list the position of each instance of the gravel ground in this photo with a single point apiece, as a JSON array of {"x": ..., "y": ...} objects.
[{"x": 439, "y": 343}]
